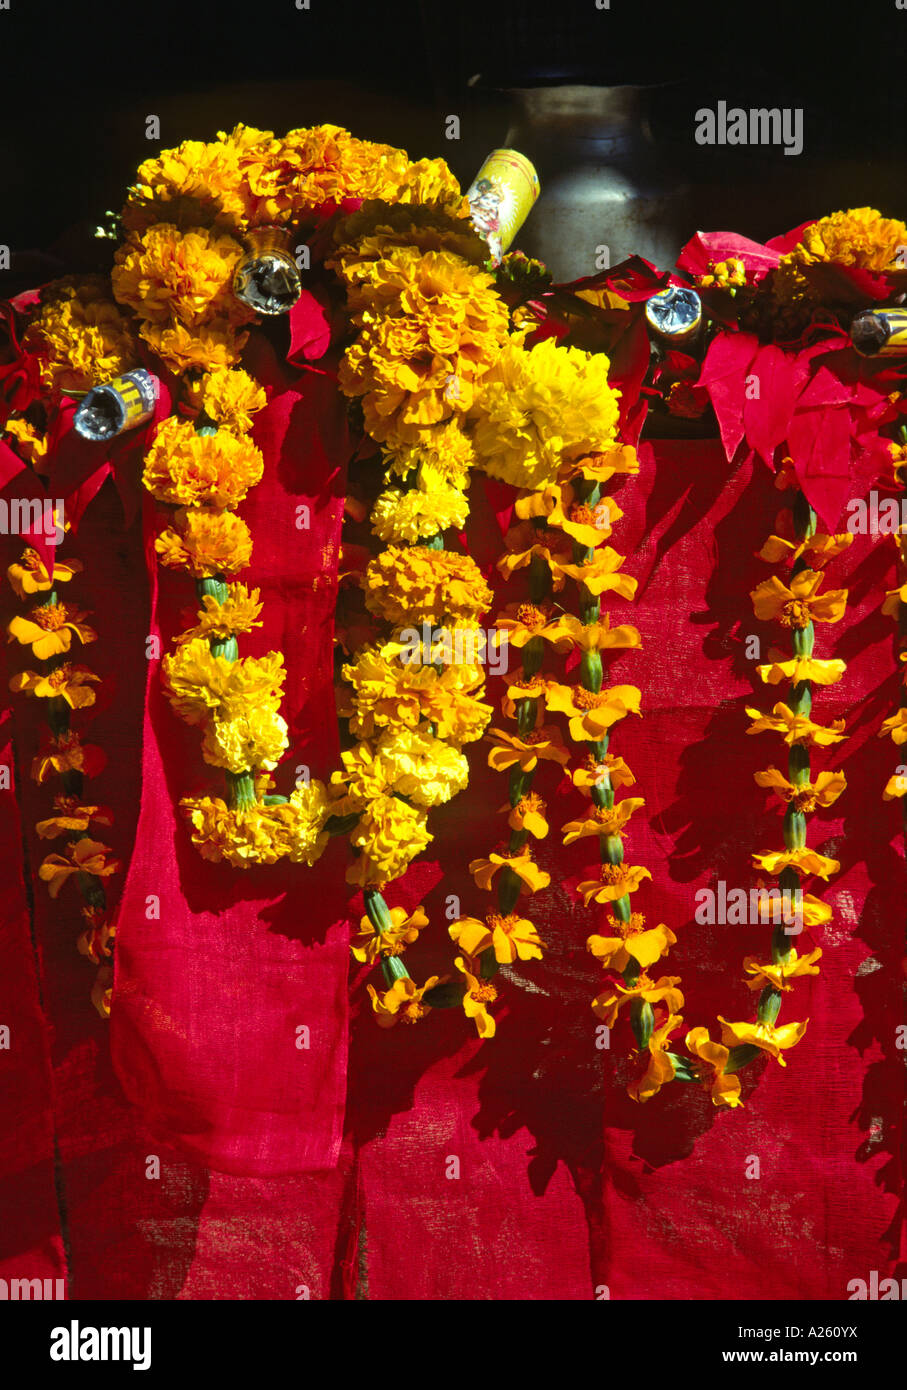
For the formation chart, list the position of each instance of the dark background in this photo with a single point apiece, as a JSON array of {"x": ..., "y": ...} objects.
[{"x": 80, "y": 76}]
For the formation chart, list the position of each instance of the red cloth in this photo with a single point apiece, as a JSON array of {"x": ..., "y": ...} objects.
[{"x": 564, "y": 1187}]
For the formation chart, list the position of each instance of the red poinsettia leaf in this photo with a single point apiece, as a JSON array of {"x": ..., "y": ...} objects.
[
  {"x": 706, "y": 249},
  {"x": 777, "y": 379},
  {"x": 820, "y": 447},
  {"x": 724, "y": 374},
  {"x": 789, "y": 240},
  {"x": 633, "y": 279}
]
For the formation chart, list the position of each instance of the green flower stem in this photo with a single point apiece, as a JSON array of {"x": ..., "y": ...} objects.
[
  {"x": 533, "y": 656},
  {"x": 241, "y": 789},
  {"x": 509, "y": 885}
]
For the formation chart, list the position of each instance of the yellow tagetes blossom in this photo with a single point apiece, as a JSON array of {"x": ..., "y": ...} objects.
[
  {"x": 609, "y": 771},
  {"x": 509, "y": 936},
  {"x": 30, "y": 575},
  {"x": 228, "y": 397},
  {"x": 522, "y": 687},
  {"x": 659, "y": 1067},
  {"x": 445, "y": 449},
  {"x": 200, "y": 684},
  {"x": 195, "y": 184},
  {"x": 528, "y": 814},
  {"x": 66, "y": 753},
  {"x": 402, "y": 1003},
  {"x": 389, "y": 693},
  {"x": 805, "y": 861},
  {"x": 600, "y": 465},
  {"x": 531, "y": 877},
  {"x": 370, "y": 945},
  {"x": 390, "y": 834},
  {"x": 406, "y": 517},
  {"x": 799, "y": 603},
  {"x": 170, "y": 276},
  {"x": 614, "y": 881},
  {"x": 31, "y": 444},
  {"x": 201, "y": 347},
  {"x": 71, "y": 815},
  {"x": 80, "y": 336},
  {"x": 256, "y": 738},
  {"x": 796, "y": 728},
  {"x": 592, "y": 713},
  {"x": 859, "y": 236},
  {"x": 49, "y": 629},
  {"x": 544, "y": 744},
  {"x": 896, "y": 786},
  {"x": 420, "y": 766},
  {"x": 777, "y": 973},
  {"x": 588, "y": 525},
  {"x": 407, "y": 585},
  {"x": 83, "y": 856},
  {"x": 602, "y": 821},
  {"x": 765, "y": 1036},
  {"x": 260, "y": 834},
  {"x": 539, "y": 407},
  {"x": 712, "y": 1058},
  {"x": 821, "y": 548},
  {"x": 804, "y": 796},
  {"x": 69, "y": 682},
  {"x": 477, "y": 995},
  {"x": 631, "y": 941},
  {"x": 205, "y": 543},
  {"x": 200, "y": 470},
  {"x": 431, "y": 325},
  {"x": 239, "y": 612},
  {"x": 596, "y": 637},
  {"x": 896, "y": 726},
  {"x": 600, "y": 574},
  {"x": 801, "y": 668},
  {"x": 519, "y": 623},
  {"x": 608, "y": 1004}
]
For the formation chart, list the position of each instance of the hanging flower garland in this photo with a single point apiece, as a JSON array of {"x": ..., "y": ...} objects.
[
  {"x": 894, "y": 606},
  {"x": 50, "y": 628}
]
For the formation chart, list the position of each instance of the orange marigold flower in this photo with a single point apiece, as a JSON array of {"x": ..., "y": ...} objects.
[
  {"x": 192, "y": 469},
  {"x": 477, "y": 995},
  {"x": 798, "y": 604},
  {"x": 82, "y": 857},
  {"x": 531, "y": 876},
  {"x": 402, "y": 1003},
  {"x": 544, "y": 744},
  {"x": 205, "y": 543},
  {"x": 804, "y": 796},
  {"x": 528, "y": 814},
  {"x": 30, "y": 575},
  {"x": 66, "y": 753},
  {"x": 796, "y": 728},
  {"x": 72, "y": 815},
  {"x": 805, "y": 861},
  {"x": 777, "y": 973},
  {"x": 712, "y": 1059},
  {"x": 593, "y": 713},
  {"x": 509, "y": 936},
  {"x": 631, "y": 941},
  {"x": 765, "y": 1036},
  {"x": 406, "y": 585},
  {"x": 370, "y": 945},
  {"x": 595, "y": 637},
  {"x": 609, "y": 771},
  {"x": 659, "y": 1067},
  {"x": 614, "y": 881},
  {"x": 69, "y": 682},
  {"x": 48, "y": 629},
  {"x": 602, "y": 821},
  {"x": 662, "y": 991}
]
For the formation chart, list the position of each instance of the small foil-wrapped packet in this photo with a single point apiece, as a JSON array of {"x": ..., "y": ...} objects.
[
  {"x": 267, "y": 279},
  {"x": 501, "y": 197},
  {"x": 117, "y": 405},
  {"x": 880, "y": 333},
  {"x": 674, "y": 314}
]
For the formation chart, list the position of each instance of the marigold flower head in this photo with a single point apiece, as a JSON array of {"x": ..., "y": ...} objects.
[
  {"x": 420, "y": 766},
  {"x": 402, "y": 1003},
  {"x": 239, "y": 612},
  {"x": 253, "y": 739},
  {"x": 405, "y": 517},
  {"x": 214, "y": 344},
  {"x": 388, "y": 691},
  {"x": 206, "y": 543},
  {"x": 80, "y": 335},
  {"x": 170, "y": 276},
  {"x": 29, "y": 575},
  {"x": 70, "y": 682},
  {"x": 242, "y": 836},
  {"x": 192, "y": 469},
  {"x": 370, "y": 945},
  {"x": 196, "y": 184},
  {"x": 66, "y": 752},
  {"x": 229, "y": 397},
  {"x": 446, "y": 449},
  {"x": 859, "y": 236},
  {"x": 406, "y": 585},
  {"x": 200, "y": 684},
  {"x": 390, "y": 834},
  {"x": 540, "y": 406}
]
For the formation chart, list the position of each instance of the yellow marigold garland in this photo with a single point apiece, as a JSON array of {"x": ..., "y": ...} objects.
[
  {"x": 797, "y": 603},
  {"x": 50, "y": 629}
]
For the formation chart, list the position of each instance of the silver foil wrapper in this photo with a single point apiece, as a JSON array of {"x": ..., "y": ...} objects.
[{"x": 675, "y": 314}]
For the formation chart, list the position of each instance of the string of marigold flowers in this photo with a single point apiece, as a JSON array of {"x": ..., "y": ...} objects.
[{"x": 49, "y": 628}]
